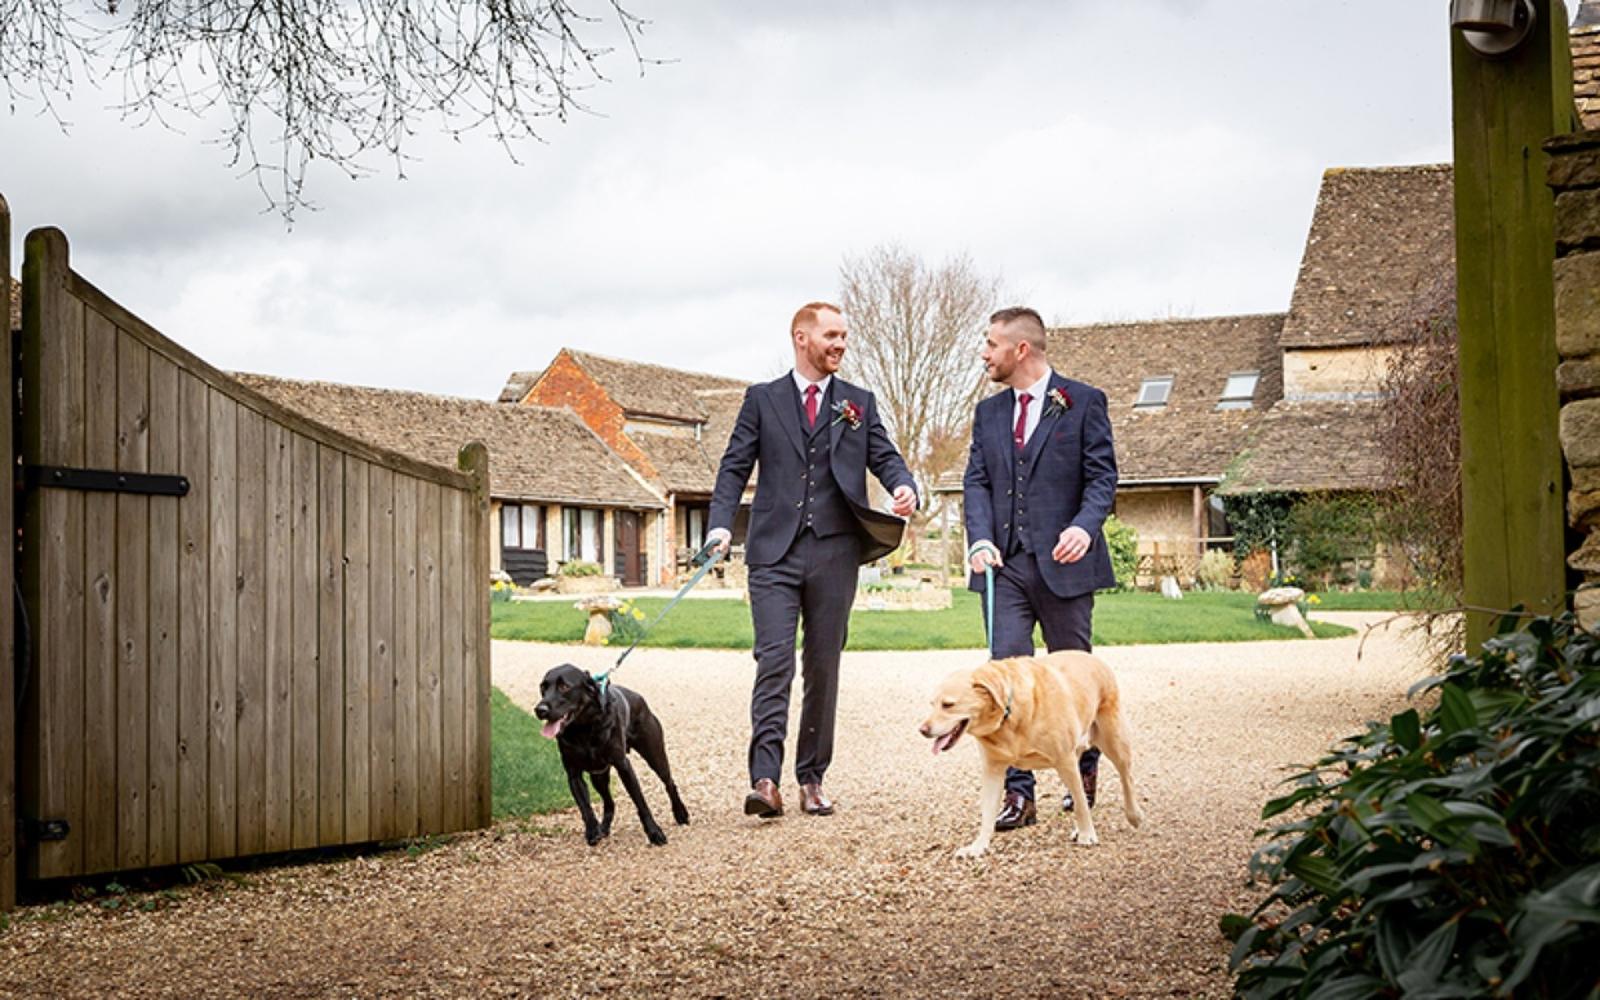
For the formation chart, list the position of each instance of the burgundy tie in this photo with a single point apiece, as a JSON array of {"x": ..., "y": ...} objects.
[
  {"x": 811, "y": 405},
  {"x": 1022, "y": 419}
]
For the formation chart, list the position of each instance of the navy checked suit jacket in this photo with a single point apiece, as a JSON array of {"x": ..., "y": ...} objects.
[
  {"x": 1072, "y": 480},
  {"x": 768, "y": 430}
]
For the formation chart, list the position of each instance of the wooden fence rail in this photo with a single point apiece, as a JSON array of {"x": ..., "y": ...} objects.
[{"x": 291, "y": 653}]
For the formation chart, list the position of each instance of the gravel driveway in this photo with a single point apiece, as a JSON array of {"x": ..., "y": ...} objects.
[{"x": 868, "y": 902}]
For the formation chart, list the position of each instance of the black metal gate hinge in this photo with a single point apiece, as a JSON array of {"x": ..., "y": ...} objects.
[{"x": 105, "y": 481}]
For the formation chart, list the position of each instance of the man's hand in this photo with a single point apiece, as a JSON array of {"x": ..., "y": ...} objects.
[
  {"x": 1071, "y": 546},
  {"x": 983, "y": 556},
  {"x": 905, "y": 501},
  {"x": 722, "y": 537}
]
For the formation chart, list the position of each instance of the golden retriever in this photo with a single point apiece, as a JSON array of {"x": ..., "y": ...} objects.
[{"x": 1035, "y": 712}]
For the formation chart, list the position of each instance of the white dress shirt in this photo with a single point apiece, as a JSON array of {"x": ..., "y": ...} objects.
[
  {"x": 1036, "y": 403},
  {"x": 800, "y": 382}
]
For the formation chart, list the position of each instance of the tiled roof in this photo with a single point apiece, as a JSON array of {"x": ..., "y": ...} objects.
[
  {"x": 683, "y": 464},
  {"x": 1585, "y": 45},
  {"x": 1379, "y": 235},
  {"x": 650, "y": 390},
  {"x": 1307, "y": 447},
  {"x": 535, "y": 453},
  {"x": 518, "y": 385},
  {"x": 1189, "y": 438}
]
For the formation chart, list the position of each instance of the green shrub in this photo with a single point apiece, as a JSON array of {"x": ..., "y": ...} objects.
[
  {"x": 1215, "y": 571},
  {"x": 1454, "y": 854},
  {"x": 579, "y": 567},
  {"x": 1328, "y": 530},
  {"x": 1123, "y": 542},
  {"x": 500, "y": 591}
]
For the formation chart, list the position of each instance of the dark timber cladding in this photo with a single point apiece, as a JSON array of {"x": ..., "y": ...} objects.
[
  {"x": 1504, "y": 110},
  {"x": 288, "y": 655}
]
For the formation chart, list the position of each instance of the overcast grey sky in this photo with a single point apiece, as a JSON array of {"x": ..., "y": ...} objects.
[{"x": 1115, "y": 161}]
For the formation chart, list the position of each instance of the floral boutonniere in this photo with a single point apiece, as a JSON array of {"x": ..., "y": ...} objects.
[
  {"x": 847, "y": 411},
  {"x": 1060, "y": 402}
]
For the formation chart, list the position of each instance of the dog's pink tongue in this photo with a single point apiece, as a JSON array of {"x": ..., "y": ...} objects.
[{"x": 552, "y": 729}]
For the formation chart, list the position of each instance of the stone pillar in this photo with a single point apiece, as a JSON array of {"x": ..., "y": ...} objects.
[{"x": 1574, "y": 174}]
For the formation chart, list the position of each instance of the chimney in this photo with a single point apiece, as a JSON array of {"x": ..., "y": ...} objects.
[{"x": 1588, "y": 16}]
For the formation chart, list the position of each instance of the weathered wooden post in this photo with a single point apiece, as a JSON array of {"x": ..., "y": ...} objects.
[
  {"x": 1505, "y": 107},
  {"x": 8, "y": 708}
]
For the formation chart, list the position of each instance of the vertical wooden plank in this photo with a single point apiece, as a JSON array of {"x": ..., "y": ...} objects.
[
  {"x": 8, "y": 706},
  {"x": 251, "y": 577},
  {"x": 405, "y": 654},
  {"x": 194, "y": 620},
  {"x": 133, "y": 605},
  {"x": 53, "y": 750},
  {"x": 303, "y": 585},
  {"x": 330, "y": 643},
  {"x": 452, "y": 652},
  {"x": 1511, "y": 474},
  {"x": 164, "y": 657},
  {"x": 223, "y": 812},
  {"x": 100, "y": 785},
  {"x": 380, "y": 650},
  {"x": 279, "y": 639},
  {"x": 430, "y": 803},
  {"x": 357, "y": 662},
  {"x": 474, "y": 459}
]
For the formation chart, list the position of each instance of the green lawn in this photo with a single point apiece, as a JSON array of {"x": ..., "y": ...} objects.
[
  {"x": 1380, "y": 600},
  {"x": 525, "y": 767},
  {"x": 1120, "y": 619}
]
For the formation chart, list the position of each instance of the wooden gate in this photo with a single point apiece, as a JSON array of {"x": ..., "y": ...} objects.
[{"x": 251, "y": 633}]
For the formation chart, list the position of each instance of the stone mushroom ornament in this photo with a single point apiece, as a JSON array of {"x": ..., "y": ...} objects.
[
  {"x": 599, "y": 607},
  {"x": 1283, "y": 607}
]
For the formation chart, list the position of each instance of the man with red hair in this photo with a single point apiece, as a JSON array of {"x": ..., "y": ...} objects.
[{"x": 815, "y": 437}]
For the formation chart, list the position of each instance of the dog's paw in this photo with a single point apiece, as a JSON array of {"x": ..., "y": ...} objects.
[
  {"x": 594, "y": 835},
  {"x": 1135, "y": 816},
  {"x": 680, "y": 815},
  {"x": 657, "y": 838},
  {"x": 973, "y": 850},
  {"x": 1085, "y": 839}
]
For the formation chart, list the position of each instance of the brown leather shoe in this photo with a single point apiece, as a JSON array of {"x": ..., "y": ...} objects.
[
  {"x": 813, "y": 802},
  {"x": 1015, "y": 812},
  {"x": 1088, "y": 777},
  {"x": 764, "y": 800}
]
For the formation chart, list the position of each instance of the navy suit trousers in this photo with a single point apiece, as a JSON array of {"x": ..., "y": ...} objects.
[
  {"x": 814, "y": 583},
  {"x": 1021, "y": 600}
]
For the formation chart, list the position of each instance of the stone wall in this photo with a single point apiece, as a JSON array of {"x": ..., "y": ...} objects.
[
  {"x": 1335, "y": 373},
  {"x": 1574, "y": 174}
]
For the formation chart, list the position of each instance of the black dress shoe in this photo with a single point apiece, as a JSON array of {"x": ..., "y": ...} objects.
[
  {"x": 1015, "y": 812},
  {"x": 1088, "y": 777}
]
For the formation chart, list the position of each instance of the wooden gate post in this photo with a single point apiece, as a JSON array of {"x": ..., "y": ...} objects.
[
  {"x": 1504, "y": 109},
  {"x": 8, "y": 707},
  {"x": 474, "y": 460}
]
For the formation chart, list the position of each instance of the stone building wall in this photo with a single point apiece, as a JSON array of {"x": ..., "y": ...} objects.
[{"x": 1574, "y": 174}]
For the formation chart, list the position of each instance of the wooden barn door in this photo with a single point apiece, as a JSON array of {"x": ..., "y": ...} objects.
[{"x": 630, "y": 548}]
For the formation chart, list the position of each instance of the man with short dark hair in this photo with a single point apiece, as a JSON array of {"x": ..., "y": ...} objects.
[
  {"x": 1041, "y": 478},
  {"x": 811, "y": 527}
]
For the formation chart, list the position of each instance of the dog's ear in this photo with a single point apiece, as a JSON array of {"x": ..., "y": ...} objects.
[{"x": 986, "y": 680}]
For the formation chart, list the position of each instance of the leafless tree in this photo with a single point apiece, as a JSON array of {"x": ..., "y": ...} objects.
[
  {"x": 299, "y": 81},
  {"x": 1420, "y": 427},
  {"x": 915, "y": 340}
]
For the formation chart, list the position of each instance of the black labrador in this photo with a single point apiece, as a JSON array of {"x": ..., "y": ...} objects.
[{"x": 596, "y": 725}]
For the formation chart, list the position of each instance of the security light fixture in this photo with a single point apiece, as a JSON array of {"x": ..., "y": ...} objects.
[{"x": 1492, "y": 27}]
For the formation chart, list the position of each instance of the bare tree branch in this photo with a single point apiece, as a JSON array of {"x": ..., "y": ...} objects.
[
  {"x": 915, "y": 339},
  {"x": 307, "y": 80}
]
